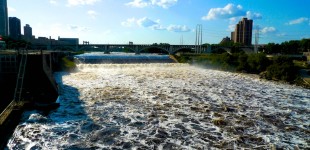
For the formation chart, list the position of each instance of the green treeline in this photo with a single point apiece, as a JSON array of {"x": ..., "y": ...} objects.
[
  {"x": 276, "y": 68},
  {"x": 284, "y": 66},
  {"x": 288, "y": 47}
]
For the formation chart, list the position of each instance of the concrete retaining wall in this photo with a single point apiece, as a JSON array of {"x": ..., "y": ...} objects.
[{"x": 39, "y": 86}]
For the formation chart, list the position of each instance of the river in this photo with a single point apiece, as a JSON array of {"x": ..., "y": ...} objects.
[{"x": 167, "y": 106}]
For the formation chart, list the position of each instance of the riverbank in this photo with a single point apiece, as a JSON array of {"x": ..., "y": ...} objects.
[{"x": 280, "y": 69}]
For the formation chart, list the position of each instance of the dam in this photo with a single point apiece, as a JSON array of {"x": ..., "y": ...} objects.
[
  {"x": 25, "y": 79},
  {"x": 165, "y": 106},
  {"x": 122, "y": 58}
]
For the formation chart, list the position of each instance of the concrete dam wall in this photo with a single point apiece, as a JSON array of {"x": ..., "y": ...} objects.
[
  {"x": 38, "y": 87},
  {"x": 121, "y": 58}
]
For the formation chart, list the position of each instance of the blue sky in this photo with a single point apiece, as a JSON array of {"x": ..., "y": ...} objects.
[{"x": 161, "y": 21}]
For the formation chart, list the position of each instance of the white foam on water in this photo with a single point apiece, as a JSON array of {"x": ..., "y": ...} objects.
[{"x": 167, "y": 106}]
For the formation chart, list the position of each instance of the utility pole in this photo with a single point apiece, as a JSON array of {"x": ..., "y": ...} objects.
[
  {"x": 198, "y": 43},
  {"x": 256, "y": 39}
]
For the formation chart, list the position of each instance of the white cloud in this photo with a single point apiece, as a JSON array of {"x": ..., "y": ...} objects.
[
  {"x": 142, "y": 22},
  {"x": 178, "y": 28},
  {"x": 78, "y": 28},
  {"x": 232, "y": 23},
  {"x": 138, "y": 3},
  {"x": 233, "y": 13},
  {"x": 164, "y": 3},
  {"x": 11, "y": 9},
  {"x": 146, "y": 22},
  {"x": 129, "y": 22},
  {"x": 158, "y": 27},
  {"x": 92, "y": 14},
  {"x": 155, "y": 25},
  {"x": 53, "y": 2},
  {"x": 231, "y": 27},
  {"x": 160, "y": 3},
  {"x": 281, "y": 34},
  {"x": 232, "y": 20},
  {"x": 266, "y": 30},
  {"x": 229, "y": 11},
  {"x": 81, "y": 2},
  {"x": 253, "y": 16},
  {"x": 298, "y": 21}
]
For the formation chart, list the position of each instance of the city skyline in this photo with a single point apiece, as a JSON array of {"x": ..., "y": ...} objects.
[
  {"x": 160, "y": 21},
  {"x": 3, "y": 18}
]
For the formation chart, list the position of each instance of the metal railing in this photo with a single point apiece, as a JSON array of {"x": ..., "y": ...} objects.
[
  {"x": 18, "y": 89},
  {"x": 20, "y": 76}
]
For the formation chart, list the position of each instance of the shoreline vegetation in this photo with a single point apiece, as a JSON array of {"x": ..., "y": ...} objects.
[
  {"x": 278, "y": 68},
  {"x": 67, "y": 62},
  {"x": 281, "y": 68}
]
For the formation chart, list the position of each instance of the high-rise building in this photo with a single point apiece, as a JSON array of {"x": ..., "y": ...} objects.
[
  {"x": 27, "y": 32},
  {"x": 14, "y": 28},
  {"x": 3, "y": 18},
  {"x": 243, "y": 32}
]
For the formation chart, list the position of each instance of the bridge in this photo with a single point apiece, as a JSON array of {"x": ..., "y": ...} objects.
[
  {"x": 228, "y": 49},
  {"x": 107, "y": 48},
  {"x": 137, "y": 48}
]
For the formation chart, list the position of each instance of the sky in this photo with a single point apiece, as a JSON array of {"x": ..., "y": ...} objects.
[{"x": 162, "y": 21}]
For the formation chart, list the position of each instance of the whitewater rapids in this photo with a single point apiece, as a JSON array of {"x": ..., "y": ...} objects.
[{"x": 167, "y": 106}]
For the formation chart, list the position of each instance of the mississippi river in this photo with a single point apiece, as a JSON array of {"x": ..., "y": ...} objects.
[{"x": 167, "y": 106}]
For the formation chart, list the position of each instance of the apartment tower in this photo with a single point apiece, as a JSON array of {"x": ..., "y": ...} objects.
[
  {"x": 27, "y": 32},
  {"x": 243, "y": 32},
  {"x": 14, "y": 28},
  {"x": 3, "y": 18}
]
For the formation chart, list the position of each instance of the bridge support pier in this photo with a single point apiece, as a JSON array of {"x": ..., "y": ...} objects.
[
  {"x": 137, "y": 51},
  {"x": 171, "y": 50},
  {"x": 106, "y": 49}
]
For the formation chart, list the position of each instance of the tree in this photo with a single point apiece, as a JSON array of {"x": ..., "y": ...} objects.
[
  {"x": 206, "y": 45},
  {"x": 272, "y": 48},
  {"x": 219, "y": 51},
  {"x": 305, "y": 45},
  {"x": 258, "y": 63},
  {"x": 227, "y": 44},
  {"x": 290, "y": 47},
  {"x": 164, "y": 44},
  {"x": 242, "y": 62},
  {"x": 282, "y": 69}
]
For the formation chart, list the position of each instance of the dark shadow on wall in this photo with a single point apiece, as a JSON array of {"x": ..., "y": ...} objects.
[{"x": 67, "y": 122}]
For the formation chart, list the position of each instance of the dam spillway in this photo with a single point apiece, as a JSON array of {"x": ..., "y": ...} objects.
[
  {"x": 167, "y": 106},
  {"x": 121, "y": 58}
]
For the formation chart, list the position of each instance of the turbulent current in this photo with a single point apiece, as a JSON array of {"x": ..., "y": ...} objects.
[{"x": 167, "y": 106}]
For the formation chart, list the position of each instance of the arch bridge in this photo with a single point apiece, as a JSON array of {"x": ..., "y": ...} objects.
[{"x": 107, "y": 48}]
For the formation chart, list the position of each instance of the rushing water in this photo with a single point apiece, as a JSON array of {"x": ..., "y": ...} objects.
[
  {"x": 167, "y": 106},
  {"x": 121, "y": 58}
]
